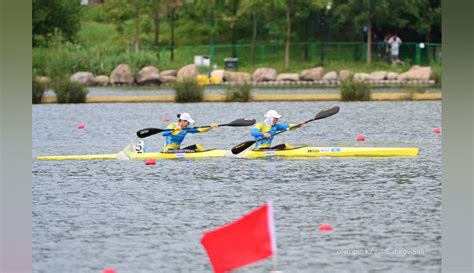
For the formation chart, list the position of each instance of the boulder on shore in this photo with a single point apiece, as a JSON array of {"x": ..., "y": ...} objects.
[
  {"x": 345, "y": 75},
  {"x": 288, "y": 77},
  {"x": 423, "y": 73},
  {"x": 237, "y": 76},
  {"x": 312, "y": 74},
  {"x": 264, "y": 74},
  {"x": 330, "y": 76},
  {"x": 148, "y": 75},
  {"x": 82, "y": 77},
  {"x": 378, "y": 75},
  {"x": 187, "y": 71},
  {"x": 122, "y": 74},
  {"x": 101, "y": 80}
]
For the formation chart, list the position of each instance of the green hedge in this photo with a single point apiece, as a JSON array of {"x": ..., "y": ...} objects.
[
  {"x": 38, "y": 91},
  {"x": 354, "y": 90},
  {"x": 69, "y": 92},
  {"x": 238, "y": 93},
  {"x": 188, "y": 90}
]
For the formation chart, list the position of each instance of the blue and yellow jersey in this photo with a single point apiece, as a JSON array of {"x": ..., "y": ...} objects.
[
  {"x": 262, "y": 127},
  {"x": 173, "y": 139}
]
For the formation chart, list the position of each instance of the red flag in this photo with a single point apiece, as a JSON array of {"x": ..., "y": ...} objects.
[{"x": 247, "y": 240}]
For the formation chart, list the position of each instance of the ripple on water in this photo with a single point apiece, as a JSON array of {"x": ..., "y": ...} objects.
[{"x": 137, "y": 218}]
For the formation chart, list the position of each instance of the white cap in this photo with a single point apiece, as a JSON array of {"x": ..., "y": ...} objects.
[
  {"x": 272, "y": 114},
  {"x": 187, "y": 117}
]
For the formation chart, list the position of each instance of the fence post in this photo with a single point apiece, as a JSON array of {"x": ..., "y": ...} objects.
[
  {"x": 417, "y": 54},
  {"x": 312, "y": 50},
  {"x": 262, "y": 54},
  {"x": 162, "y": 55},
  {"x": 213, "y": 53}
]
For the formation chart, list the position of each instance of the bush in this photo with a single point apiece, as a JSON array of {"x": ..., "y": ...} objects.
[
  {"x": 38, "y": 91},
  {"x": 238, "y": 93},
  {"x": 188, "y": 90},
  {"x": 437, "y": 78},
  {"x": 352, "y": 90},
  {"x": 69, "y": 92}
]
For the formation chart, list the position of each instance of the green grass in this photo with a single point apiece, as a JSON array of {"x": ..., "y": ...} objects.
[{"x": 94, "y": 33}]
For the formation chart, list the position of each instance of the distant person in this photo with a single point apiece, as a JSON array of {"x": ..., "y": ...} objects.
[
  {"x": 387, "y": 52},
  {"x": 395, "y": 43}
]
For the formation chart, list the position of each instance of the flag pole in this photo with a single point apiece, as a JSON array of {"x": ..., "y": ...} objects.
[{"x": 271, "y": 225}]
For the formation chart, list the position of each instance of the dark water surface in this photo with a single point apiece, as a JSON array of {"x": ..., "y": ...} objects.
[{"x": 386, "y": 212}]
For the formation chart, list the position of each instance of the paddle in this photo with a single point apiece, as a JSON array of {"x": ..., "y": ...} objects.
[
  {"x": 236, "y": 123},
  {"x": 323, "y": 114}
]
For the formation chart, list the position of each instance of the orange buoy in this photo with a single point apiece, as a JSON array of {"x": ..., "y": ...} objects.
[
  {"x": 360, "y": 137},
  {"x": 150, "y": 161},
  {"x": 325, "y": 227}
]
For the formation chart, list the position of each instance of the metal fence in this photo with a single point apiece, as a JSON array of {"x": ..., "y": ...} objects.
[{"x": 314, "y": 53}]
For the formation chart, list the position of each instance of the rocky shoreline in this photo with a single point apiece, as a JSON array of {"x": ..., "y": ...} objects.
[{"x": 122, "y": 75}]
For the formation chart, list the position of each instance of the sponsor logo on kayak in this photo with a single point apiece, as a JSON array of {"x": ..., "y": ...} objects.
[
  {"x": 311, "y": 151},
  {"x": 180, "y": 155},
  {"x": 335, "y": 150},
  {"x": 269, "y": 153}
]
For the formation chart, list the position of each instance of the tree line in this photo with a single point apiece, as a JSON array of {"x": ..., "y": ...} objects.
[{"x": 245, "y": 21}]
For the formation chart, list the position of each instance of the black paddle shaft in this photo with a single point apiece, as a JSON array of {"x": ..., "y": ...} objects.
[
  {"x": 236, "y": 123},
  {"x": 322, "y": 114}
]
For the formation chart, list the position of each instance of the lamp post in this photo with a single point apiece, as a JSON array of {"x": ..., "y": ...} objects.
[
  {"x": 328, "y": 9},
  {"x": 213, "y": 37},
  {"x": 322, "y": 23}
]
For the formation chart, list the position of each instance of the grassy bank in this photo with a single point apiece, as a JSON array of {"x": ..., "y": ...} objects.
[
  {"x": 70, "y": 58},
  {"x": 99, "y": 48}
]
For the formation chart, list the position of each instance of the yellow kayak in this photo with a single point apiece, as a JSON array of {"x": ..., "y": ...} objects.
[{"x": 301, "y": 152}]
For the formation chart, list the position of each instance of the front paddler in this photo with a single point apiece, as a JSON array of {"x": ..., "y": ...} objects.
[
  {"x": 174, "y": 138},
  {"x": 263, "y": 131}
]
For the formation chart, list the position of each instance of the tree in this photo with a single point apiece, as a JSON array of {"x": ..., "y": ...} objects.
[
  {"x": 122, "y": 10},
  {"x": 291, "y": 9},
  {"x": 51, "y": 15},
  {"x": 364, "y": 13},
  {"x": 428, "y": 17},
  {"x": 257, "y": 10}
]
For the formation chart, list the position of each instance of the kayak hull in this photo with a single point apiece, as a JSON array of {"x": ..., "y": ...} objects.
[
  {"x": 301, "y": 152},
  {"x": 335, "y": 152}
]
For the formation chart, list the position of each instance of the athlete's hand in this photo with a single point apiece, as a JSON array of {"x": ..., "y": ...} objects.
[
  {"x": 214, "y": 125},
  {"x": 267, "y": 135},
  {"x": 177, "y": 128},
  {"x": 302, "y": 123}
]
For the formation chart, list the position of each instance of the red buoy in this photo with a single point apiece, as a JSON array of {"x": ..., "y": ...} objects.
[
  {"x": 325, "y": 227},
  {"x": 108, "y": 270},
  {"x": 80, "y": 126},
  {"x": 150, "y": 161},
  {"x": 166, "y": 119},
  {"x": 360, "y": 137},
  {"x": 436, "y": 131}
]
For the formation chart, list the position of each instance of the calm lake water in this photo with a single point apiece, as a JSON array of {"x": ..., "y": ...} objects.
[{"x": 88, "y": 215}]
